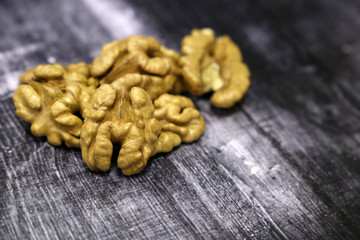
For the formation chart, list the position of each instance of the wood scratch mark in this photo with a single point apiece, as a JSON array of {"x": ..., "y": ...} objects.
[{"x": 256, "y": 202}]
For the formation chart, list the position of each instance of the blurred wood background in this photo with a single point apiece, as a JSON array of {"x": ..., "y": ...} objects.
[{"x": 282, "y": 164}]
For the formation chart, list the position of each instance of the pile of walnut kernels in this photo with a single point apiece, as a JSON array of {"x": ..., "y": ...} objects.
[{"x": 130, "y": 95}]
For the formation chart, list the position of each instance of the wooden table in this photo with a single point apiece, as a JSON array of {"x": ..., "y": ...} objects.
[{"x": 282, "y": 164}]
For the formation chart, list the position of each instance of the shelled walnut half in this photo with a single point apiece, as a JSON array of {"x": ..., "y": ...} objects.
[
  {"x": 210, "y": 64},
  {"x": 50, "y": 96},
  {"x": 135, "y": 54},
  {"x": 125, "y": 114}
]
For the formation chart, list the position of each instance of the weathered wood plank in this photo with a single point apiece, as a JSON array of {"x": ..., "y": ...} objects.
[{"x": 283, "y": 164}]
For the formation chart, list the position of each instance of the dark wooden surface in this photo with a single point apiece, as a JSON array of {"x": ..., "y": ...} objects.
[{"x": 282, "y": 164}]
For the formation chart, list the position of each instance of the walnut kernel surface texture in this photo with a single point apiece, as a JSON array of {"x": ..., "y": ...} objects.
[{"x": 129, "y": 96}]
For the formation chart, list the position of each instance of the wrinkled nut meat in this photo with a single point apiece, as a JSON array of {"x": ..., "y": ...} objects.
[
  {"x": 132, "y": 105},
  {"x": 48, "y": 98},
  {"x": 210, "y": 64},
  {"x": 153, "y": 85},
  {"x": 126, "y": 115},
  {"x": 135, "y": 54}
]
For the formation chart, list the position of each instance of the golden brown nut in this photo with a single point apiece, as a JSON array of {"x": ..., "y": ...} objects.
[
  {"x": 153, "y": 85},
  {"x": 196, "y": 48},
  {"x": 50, "y": 97},
  {"x": 210, "y": 64},
  {"x": 135, "y": 54},
  {"x": 119, "y": 116},
  {"x": 181, "y": 122},
  {"x": 234, "y": 73},
  {"x": 125, "y": 114}
]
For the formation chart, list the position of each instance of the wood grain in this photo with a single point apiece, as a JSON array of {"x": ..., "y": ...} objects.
[{"x": 282, "y": 164}]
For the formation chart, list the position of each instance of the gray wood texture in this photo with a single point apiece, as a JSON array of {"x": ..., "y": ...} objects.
[{"x": 282, "y": 164}]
